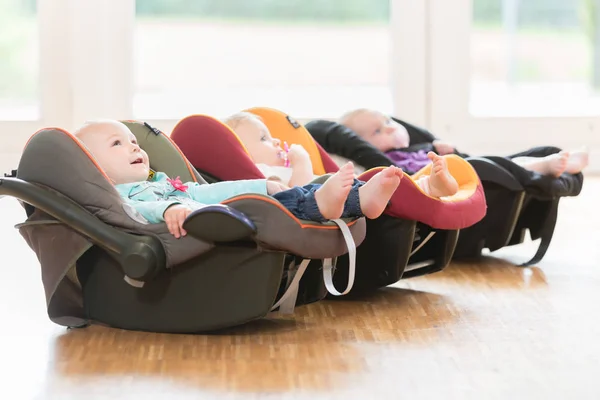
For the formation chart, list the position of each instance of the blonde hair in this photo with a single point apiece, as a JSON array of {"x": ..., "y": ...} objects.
[
  {"x": 235, "y": 119},
  {"x": 347, "y": 119},
  {"x": 93, "y": 126}
]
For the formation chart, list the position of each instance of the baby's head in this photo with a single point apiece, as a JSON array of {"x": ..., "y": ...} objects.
[
  {"x": 115, "y": 149},
  {"x": 376, "y": 128},
  {"x": 257, "y": 139}
]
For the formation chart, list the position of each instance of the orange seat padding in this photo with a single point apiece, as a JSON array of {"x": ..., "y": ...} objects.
[{"x": 287, "y": 129}]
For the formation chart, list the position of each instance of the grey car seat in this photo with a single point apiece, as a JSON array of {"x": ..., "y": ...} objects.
[{"x": 239, "y": 262}]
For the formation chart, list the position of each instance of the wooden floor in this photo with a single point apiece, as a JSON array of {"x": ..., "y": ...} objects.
[{"x": 475, "y": 331}]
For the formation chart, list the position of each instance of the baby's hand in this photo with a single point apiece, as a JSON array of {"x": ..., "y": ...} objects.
[
  {"x": 275, "y": 187},
  {"x": 174, "y": 217},
  {"x": 298, "y": 155},
  {"x": 443, "y": 148}
]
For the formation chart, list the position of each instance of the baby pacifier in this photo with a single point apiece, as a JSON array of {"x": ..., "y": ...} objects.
[{"x": 286, "y": 148}]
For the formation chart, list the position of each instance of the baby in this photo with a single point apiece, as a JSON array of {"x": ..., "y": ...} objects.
[
  {"x": 267, "y": 153},
  {"x": 161, "y": 199},
  {"x": 270, "y": 158},
  {"x": 393, "y": 139}
]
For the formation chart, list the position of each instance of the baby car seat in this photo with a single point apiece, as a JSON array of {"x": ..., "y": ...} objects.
[
  {"x": 381, "y": 259},
  {"x": 218, "y": 154},
  {"x": 101, "y": 264},
  {"x": 517, "y": 199},
  {"x": 539, "y": 197}
]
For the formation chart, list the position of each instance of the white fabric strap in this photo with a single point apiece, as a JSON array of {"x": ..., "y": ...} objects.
[
  {"x": 328, "y": 264},
  {"x": 287, "y": 302},
  {"x": 288, "y": 306},
  {"x": 417, "y": 265},
  {"x": 422, "y": 243},
  {"x": 134, "y": 282}
]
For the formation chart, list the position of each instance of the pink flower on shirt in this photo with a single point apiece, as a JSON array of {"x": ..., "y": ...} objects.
[{"x": 177, "y": 184}]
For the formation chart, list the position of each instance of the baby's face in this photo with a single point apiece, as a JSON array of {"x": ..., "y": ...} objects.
[
  {"x": 115, "y": 149},
  {"x": 379, "y": 130},
  {"x": 260, "y": 144}
]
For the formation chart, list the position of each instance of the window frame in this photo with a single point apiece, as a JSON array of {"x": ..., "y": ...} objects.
[
  {"x": 87, "y": 71},
  {"x": 449, "y": 33},
  {"x": 407, "y": 60}
]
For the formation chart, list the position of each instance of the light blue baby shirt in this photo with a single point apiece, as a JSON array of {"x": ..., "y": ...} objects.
[{"x": 151, "y": 198}]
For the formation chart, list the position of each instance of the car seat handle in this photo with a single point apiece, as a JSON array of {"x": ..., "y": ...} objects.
[{"x": 140, "y": 257}]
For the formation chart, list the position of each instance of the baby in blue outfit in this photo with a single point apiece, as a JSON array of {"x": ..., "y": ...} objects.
[{"x": 162, "y": 199}]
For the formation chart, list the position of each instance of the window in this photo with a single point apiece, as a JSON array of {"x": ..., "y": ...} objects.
[
  {"x": 18, "y": 61},
  {"x": 311, "y": 58},
  {"x": 536, "y": 58}
]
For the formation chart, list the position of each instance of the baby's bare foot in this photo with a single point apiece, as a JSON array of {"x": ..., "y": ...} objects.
[
  {"x": 578, "y": 160},
  {"x": 332, "y": 195},
  {"x": 376, "y": 193},
  {"x": 557, "y": 163},
  {"x": 441, "y": 182}
]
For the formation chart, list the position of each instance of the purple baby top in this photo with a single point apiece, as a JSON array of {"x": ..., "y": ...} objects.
[{"x": 411, "y": 162}]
